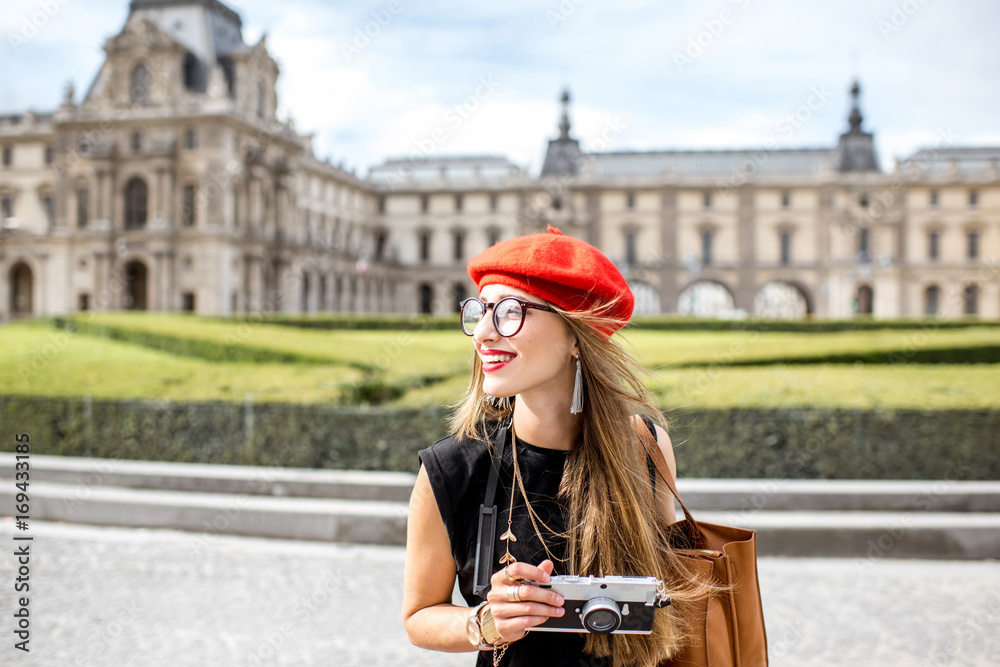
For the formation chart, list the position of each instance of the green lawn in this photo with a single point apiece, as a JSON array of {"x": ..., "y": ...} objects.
[
  {"x": 37, "y": 360},
  {"x": 432, "y": 366}
]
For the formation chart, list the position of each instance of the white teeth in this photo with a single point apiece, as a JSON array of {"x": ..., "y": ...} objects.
[{"x": 495, "y": 358}]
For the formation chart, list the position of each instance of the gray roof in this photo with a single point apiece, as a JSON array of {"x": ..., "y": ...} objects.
[
  {"x": 443, "y": 168},
  {"x": 965, "y": 160},
  {"x": 719, "y": 163}
]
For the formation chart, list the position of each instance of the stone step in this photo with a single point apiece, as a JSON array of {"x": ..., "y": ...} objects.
[
  {"x": 216, "y": 478},
  {"x": 212, "y": 514},
  {"x": 740, "y": 495},
  {"x": 861, "y": 535}
]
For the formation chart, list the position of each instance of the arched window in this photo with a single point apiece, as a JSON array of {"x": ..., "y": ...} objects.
[
  {"x": 932, "y": 297},
  {"x": 135, "y": 203},
  {"x": 139, "y": 90},
  {"x": 864, "y": 303}
]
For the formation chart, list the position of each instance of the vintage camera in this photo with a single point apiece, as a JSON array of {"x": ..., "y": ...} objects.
[{"x": 603, "y": 605}]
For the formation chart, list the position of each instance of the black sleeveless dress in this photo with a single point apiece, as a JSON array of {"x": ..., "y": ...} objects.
[{"x": 458, "y": 473}]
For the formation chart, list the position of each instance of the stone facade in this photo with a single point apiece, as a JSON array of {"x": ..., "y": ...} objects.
[{"x": 172, "y": 186}]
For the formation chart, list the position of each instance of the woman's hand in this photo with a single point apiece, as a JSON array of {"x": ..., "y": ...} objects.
[{"x": 535, "y": 606}]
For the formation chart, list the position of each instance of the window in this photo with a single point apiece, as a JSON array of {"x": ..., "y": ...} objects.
[
  {"x": 493, "y": 203},
  {"x": 864, "y": 251},
  {"x": 187, "y": 302},
  {"x": 426, "y": 299},
  {"x": 6, "y": 208},
  {"x": 83, "y": 302},
  {"x": 973, "y": 198},
  {"x": 630, "y": 247},
  {"x": 139, "y": 90},
  {"x": 934, "y": 198},
  {"x": 786, "y": 248},
  {"x": 82, "y": 207},
  {"x": 459, "y": 246},
  {"x": 492, "y": 237},
  {"x": 786, "y": 199},
  {"x": 191, "y": 139},
  {"x": 630, "y": 201},
  {"x": 188, "y": 208},
  {"x": 970, "y": 297},
  {"x": 934, "y": 246},
  {"x": 259, "y": 101},
  {"x": 380, "y": 240},
  {"x": 49, "y": 206},
  {"x": 458, "y": 203},
  {"x": 8, "y": 156},
  {"x": 425, "y": 246},
  {"x": 557, "y": 203},
  {"x": 706, "y": 200},
  {"x": 972, "y": 248},
  {"x": 136, "y": 142},
  {"x": 706, "y": 247},
  {"x": 932, "y": 297},
  {"x": 49, "y": 154},
  {"x": 135, "y": 203},
  {"x": 381, "y": 204},
  {"x": 425, "y": 204},
  {"x": 190, "y": 71}
]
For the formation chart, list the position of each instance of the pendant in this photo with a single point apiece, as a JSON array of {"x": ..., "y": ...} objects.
[{"x": 508, "y": 536}]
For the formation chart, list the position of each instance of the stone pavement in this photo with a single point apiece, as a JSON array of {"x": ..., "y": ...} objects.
[{"x": 121, "y": 597}]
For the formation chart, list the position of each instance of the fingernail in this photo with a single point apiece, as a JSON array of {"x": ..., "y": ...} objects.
[
  {"x": 560, "y": 611},
  {"x": 560, "y": 601},
  {"x": 546, "y": 577}
]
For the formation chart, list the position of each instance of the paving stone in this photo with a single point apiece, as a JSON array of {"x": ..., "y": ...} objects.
[{"x": 121, "y": 597}]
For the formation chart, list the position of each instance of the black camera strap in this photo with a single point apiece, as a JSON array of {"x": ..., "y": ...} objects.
[{"x": 486, "y": 538}]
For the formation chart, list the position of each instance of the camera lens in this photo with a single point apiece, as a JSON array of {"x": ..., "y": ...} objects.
[{"x": 600, "y": 616}]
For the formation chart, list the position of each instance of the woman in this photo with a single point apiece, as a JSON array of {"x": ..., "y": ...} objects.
[{"x": 574, "y": 488}]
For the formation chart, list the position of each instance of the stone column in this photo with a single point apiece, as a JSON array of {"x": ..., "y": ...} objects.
[{"x": 746, "y": 287}]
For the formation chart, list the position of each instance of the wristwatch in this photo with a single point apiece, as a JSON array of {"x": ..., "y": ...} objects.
[{"x": 480, "y": 628}]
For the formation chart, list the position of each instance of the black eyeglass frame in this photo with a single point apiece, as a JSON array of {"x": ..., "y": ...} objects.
[{"x": 525, "y": 305}]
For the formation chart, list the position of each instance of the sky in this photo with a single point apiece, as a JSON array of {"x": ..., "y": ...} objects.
[{"x": 378, "y": 79}]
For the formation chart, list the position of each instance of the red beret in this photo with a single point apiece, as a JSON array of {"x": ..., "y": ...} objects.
[{"x": 565, "y": 271}]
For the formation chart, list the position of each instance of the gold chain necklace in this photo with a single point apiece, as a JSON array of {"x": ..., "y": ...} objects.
[{"x": 509, "y": 536}]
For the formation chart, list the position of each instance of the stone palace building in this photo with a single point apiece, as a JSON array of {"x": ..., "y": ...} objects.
[{"x": 171, "y": 186}]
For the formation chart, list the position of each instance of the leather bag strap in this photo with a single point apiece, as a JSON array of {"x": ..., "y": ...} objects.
[{"x": 653, "y": 451}]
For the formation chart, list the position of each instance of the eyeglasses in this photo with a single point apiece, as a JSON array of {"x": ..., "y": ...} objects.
[{"x": 508, "y": 314}]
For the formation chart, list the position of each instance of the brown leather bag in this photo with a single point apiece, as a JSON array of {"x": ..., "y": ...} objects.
[{"x": 733, "y": 633}]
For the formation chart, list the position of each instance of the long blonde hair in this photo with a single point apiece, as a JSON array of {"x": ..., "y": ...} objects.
[{"x": 614, "y": 525}]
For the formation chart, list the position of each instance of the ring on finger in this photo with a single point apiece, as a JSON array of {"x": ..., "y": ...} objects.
[
  {"x": 506, "y": 572},
  {"x": 514, "y": 594}
]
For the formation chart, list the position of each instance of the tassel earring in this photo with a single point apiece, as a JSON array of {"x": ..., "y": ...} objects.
[{"x": 577, "y": 406}]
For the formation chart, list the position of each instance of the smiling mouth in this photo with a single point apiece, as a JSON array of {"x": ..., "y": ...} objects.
[{"x": 496, "y": 358}]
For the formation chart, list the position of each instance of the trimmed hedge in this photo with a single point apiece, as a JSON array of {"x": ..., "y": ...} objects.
[
  {"x": 766, "y": 444},
  {"x": 237, "y": 352},
  {"x": 981, "y": 354},
  {"x": 640, "y": 322}
]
